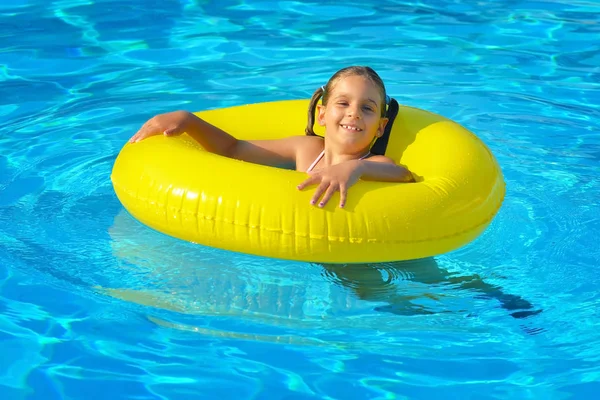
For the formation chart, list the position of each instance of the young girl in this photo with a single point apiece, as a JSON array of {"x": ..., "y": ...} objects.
[{"x": 353, "y": 111}]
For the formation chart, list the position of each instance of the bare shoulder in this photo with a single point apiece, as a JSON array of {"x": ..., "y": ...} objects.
[
  {"x": 305, "y": 144},
  {"x": 313, "y": 142},
  {"x": 308, "y": 149}
]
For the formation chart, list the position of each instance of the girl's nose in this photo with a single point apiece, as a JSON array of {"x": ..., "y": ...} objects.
[{"x": 353, "y": 112}]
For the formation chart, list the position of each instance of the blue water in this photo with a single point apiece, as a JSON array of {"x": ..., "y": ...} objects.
[{"x": 94, "y": 305}]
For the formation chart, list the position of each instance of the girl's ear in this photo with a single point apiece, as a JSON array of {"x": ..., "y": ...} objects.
[
  {"x": 382, "y": 123},
  {"x": 321, "y": 114}
]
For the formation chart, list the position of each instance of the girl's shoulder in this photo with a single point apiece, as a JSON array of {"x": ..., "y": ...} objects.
[
  {"x": 314, "y": 141},
  {"x": 306, "y": 144},
  {"x": 307, "y": 150}
]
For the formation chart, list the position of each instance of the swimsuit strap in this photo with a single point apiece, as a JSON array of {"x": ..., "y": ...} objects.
[{"x": 314, "y": 163}]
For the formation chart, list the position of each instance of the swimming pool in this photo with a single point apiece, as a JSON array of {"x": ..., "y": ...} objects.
[{"x": 95, "y": 305}]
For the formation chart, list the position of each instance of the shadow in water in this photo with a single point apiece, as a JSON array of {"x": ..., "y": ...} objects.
[
  {"x": 174, "y": 275},
  {"x": 377, "y": 282}
]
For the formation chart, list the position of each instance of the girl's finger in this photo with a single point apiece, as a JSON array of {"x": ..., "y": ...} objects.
[
  {"x": 137, "y": 136},
  {"x": 140, "y": 135},
  {"x": 320, "y": 190},
  {"x": 174, "y": 130},
  {"x": 343, "y": 192},
  {"x": 330, "y": 191},
  {"x": 309, "y": 181}
]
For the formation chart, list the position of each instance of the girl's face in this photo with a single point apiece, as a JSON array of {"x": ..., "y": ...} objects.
[{"x": 352, "y": 116}]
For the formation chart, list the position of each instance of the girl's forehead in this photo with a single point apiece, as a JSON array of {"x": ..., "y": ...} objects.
[{"x": 354, "y": 84}]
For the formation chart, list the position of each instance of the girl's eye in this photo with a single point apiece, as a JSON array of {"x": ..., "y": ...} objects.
[
  {"x": 343, "y": 103},
  {"x": 368, "y": 108}
]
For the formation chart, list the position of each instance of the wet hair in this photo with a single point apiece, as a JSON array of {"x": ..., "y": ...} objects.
[{"x": 324, "y": 91}]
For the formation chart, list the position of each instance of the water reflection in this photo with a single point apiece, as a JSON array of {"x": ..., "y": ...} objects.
[
  {"x": 379, "y": 283},
  {"x": 169, "y": 274}
]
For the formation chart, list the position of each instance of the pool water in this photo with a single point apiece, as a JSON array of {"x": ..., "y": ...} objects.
[{"x": 95, "y": 305}]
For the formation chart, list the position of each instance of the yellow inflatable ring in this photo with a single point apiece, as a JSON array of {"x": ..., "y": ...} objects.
[{"x": 174, "y": 186}]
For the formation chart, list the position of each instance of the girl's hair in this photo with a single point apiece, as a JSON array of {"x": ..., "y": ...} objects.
[{"x": 323, "y": 91}]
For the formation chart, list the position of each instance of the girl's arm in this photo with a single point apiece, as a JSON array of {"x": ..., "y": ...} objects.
[
  {"x": 267, "y": 152},
  {"x": 383, "y": 169}
]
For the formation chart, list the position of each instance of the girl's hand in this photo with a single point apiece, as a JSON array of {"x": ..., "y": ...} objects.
[
  {"x": 331, "y": 179},
  {"x": 169, "y": 124}
]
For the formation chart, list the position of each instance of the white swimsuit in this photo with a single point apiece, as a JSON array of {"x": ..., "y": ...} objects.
[{"x": 321, "y": 156}]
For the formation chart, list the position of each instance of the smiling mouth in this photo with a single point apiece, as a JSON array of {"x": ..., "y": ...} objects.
[{"x": 351, "y": 128}]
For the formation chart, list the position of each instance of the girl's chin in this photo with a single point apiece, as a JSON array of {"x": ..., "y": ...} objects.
[{"x": 348, "y": 144}]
